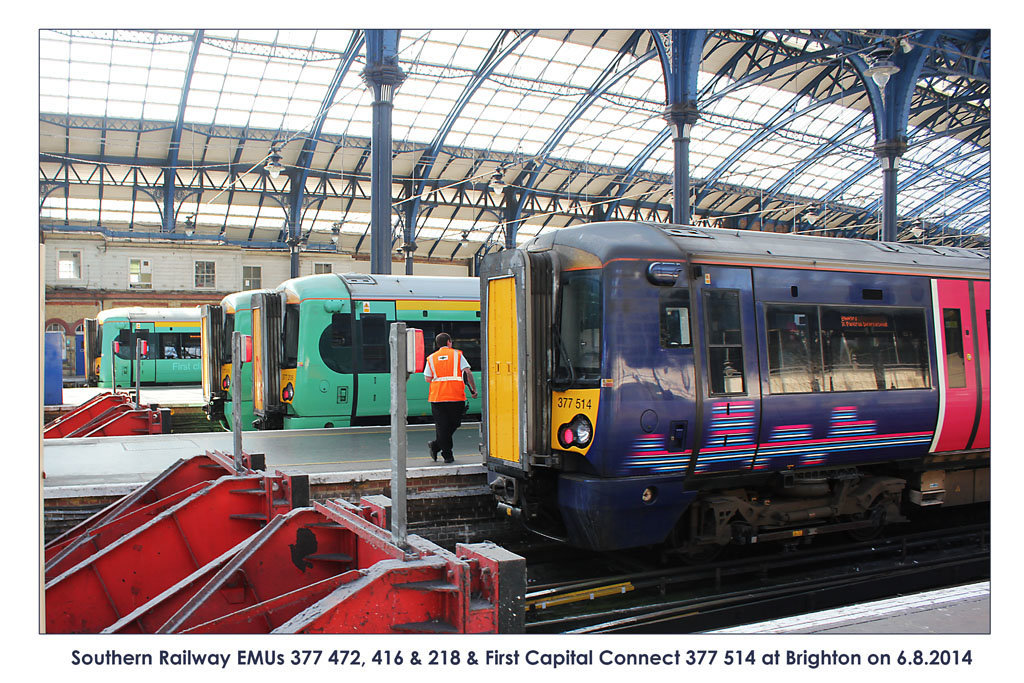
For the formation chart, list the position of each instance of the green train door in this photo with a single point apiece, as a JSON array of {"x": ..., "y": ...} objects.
[
  {"x": 124, "y": 358},
  {"x": 372, "y": 359}
]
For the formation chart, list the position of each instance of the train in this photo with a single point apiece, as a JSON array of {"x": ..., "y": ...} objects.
[
  {"x": 172, "y": 356},
  {"x": 320, "y": 355},
  {"x": 693, "y": 388},
  {"x": 218, "y": 322}
]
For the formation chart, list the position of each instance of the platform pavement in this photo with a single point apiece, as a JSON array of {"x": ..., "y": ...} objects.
[
  {"x": 961, "y": 609},
  {"x": 137, "y": 459}
]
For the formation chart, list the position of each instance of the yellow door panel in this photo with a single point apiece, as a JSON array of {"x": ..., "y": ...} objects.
[{"x": 503, "y": 370}]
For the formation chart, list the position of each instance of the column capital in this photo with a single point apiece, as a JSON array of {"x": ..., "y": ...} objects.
[
  {"x": 383, "y": 79},
  {"x": 891, "y": 149},
  {"x": 681, "y": 115}
]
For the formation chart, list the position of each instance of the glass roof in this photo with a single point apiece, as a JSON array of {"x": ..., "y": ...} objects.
[{"x": 756, "y": 137}]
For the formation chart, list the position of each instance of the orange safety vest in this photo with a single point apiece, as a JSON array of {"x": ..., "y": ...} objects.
[{"x": 446, "y": 384}]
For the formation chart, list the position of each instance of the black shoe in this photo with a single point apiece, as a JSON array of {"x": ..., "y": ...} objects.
[
  {"x": 448, "y": 458},
  {"x": 433, "y": 450}
]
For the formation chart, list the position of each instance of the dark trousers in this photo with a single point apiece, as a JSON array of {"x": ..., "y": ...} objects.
[{"x": 447, "y": 418}]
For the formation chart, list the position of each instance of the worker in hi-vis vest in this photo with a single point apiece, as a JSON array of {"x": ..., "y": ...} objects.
[{"x": 447, "y": 372}]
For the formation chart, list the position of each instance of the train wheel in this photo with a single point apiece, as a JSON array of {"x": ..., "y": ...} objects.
[
  {"x": 679, "y": 548},
  {"x": 876, "y": 514}
]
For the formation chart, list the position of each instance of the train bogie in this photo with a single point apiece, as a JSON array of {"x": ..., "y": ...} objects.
[{"x": 710, "y": 386}]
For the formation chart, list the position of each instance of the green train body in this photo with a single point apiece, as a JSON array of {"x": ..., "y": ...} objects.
[
  {"x": 173, "y": 355},
  {"x": 321, "y": 356},
  {"x": 218, "y": 322}
]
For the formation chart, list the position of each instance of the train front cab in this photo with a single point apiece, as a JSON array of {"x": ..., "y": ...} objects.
[
  {"x": 822, "y": 392},
  {"x": 219, "y": 322}
]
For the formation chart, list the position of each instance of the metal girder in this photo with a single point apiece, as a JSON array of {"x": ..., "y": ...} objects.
[
  {"x": 169, "y": 213},
  {"x": 841, "y": 136},
  {"x": 608, "y": 77},
  {"x": 967, "y": 181},
  {"x": 929, "y": 169},
  {"x": 494, "y": 56},
  {"x": 297, "y": 186},
  {"x": 783, "y": 117}
]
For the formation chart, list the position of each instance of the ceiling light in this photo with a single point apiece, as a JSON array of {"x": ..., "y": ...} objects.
[
  {"x": 190, "y": 225},
  {"x": 274, "y": 166},
  {"x": 498, "y": 177},
  {"x": 881, "y": 66}
]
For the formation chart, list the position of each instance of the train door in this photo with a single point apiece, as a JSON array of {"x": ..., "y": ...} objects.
[
  {"x": 373, "y": 360},
  {"x": 147, "y": 364},
  {"x": 730, "y": 382},
  {"x": 983, "y": 325},
  {"x": 962, "y": 404},
  {"x": 124, "y": 362},
  {"x": 92, "y": 350}
]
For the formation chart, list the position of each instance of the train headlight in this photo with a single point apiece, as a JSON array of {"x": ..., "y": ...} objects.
[
  {"x": 578, "y": 432},
  {"x": 583, "y": 429},
  {"x": 226, "y": 383},
  {"x": 288, "y": 392}
]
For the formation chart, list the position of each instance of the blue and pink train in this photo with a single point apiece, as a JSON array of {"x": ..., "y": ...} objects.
[{"x": 702, "y": 387}]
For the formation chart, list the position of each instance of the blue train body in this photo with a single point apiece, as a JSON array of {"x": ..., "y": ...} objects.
[{"x": 778, "y": 382}]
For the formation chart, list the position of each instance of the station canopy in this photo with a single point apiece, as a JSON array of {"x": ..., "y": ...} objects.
[{"x": 169, "y": 134}]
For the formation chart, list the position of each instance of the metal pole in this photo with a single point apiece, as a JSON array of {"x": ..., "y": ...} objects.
[
  {"x": 890, "y": 168},
  {"x": 236, "y": 396},
  {"x": 399, "y": 438},
  {"x": 138, "y": 371}
]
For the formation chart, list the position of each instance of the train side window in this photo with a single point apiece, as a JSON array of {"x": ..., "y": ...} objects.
[
  {"x": 869, "y": 349},
  {"x": 291, "y": 336},
  {"x": 794, "y": 352},
  {"x": 336, "y": 343},
  {"x": 168, "y": 345},
  {"x": 126, "y": 344},
  {"x": 724, "y": 341},
  {"x": 466, "y": 338},
  {"x": 225, "y": 340},
  {"x": 376, "y": 357},
  {"x": 955, "y": 371},
  {"x": 674, "y": 318},
  {"x": 191, "y": 346}
]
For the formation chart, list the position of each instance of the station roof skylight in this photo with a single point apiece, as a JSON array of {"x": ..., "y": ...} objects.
[{"x": 121, "y": 109}]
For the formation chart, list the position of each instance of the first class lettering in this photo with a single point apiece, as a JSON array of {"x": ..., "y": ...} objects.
[{"x": 864, "y": 321}]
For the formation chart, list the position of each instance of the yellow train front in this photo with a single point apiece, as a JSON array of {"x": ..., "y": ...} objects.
[{"x": 648, "y": 384}]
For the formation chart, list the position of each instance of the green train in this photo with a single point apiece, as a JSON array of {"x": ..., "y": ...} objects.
[
  {"x": 321, "y": 356},
  {"x": 218, "y": 322},
  {"x": 173, "y": 355}
]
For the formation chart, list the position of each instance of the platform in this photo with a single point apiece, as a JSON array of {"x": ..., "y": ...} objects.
[
  {"x": 137, "y": 459},
  {"x": 961, "y": 609},
  {"x": 190, "y": 395}
]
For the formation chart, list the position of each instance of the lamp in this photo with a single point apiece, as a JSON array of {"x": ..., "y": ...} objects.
[
  {"x": 917, "y": 229},
  {"x": 498, "y": 177},
  {"x": 335, "y": 232},
  {"x": 190, "y": 225},
  {"x": 881, "y": 66},
  {"x": 274, "y": 166}
]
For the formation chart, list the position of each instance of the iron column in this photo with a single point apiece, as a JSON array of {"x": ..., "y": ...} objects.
[
  {"x": 382, "y": 76},
  {"x": 681, "y": 116}
]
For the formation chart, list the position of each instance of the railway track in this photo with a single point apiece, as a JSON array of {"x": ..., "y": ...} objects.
[{"x": 777, "y": 583}]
